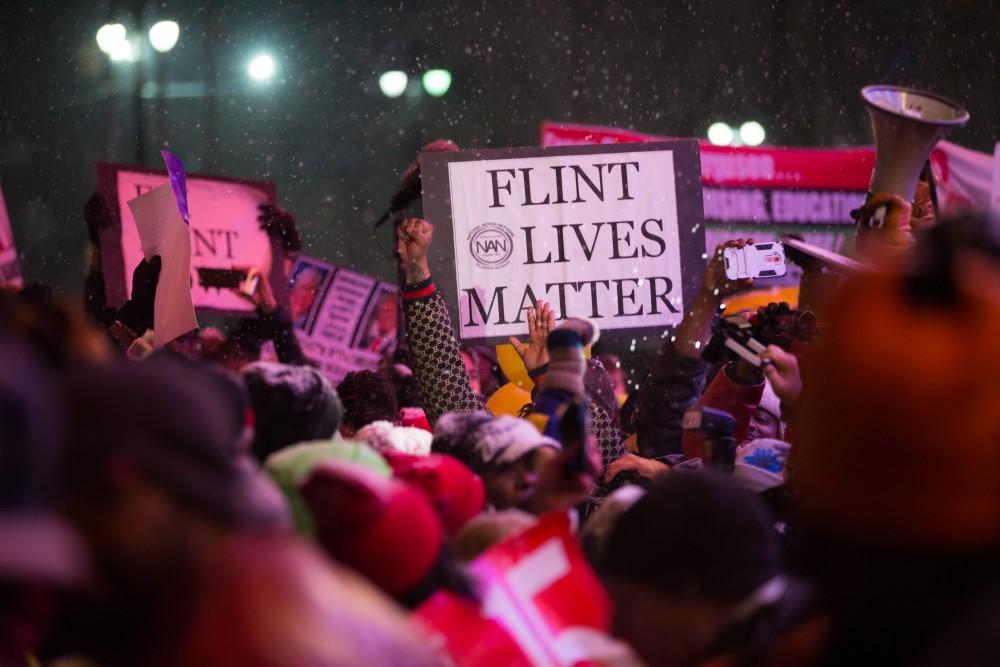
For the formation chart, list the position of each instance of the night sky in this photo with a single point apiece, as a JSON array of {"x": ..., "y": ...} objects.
[{"x": 334, "y": 145}]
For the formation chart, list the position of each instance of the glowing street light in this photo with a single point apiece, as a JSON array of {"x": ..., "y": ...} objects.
[
  {"x": 437, "y": 82},
  {"x": 752, "y": 133},
  {"x": 110, "y": 36},
  {"x": 721, "y": 134},
  {"x": 163, "y": 35},
  {"x": 126, "y": 50},
  {"x": 261, "y": 67},
  {"x": 393, "y": 83}
]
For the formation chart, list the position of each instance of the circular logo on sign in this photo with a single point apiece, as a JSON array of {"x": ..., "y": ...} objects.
[{"x": 491, "y": 245}]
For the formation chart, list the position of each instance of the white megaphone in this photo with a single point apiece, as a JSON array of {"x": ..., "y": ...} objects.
[{"x": 906, "y": 123}]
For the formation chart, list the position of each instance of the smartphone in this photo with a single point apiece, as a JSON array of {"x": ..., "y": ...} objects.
[
  {"x": 249, "y": 284},
  {"x": 221, "y": 278},
  {"x": 760, "y": 260}
]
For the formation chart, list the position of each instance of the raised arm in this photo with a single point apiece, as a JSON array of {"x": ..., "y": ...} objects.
[
  {"x": 678, "y": 374},
  {"x": 437, "y": 364}
]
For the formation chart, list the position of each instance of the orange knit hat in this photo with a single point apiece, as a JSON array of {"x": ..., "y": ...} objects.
[{"x": 898, "y": 439}]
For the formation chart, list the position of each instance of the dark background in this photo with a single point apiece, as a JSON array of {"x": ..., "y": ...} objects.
[{"x": 334, "y": 145}]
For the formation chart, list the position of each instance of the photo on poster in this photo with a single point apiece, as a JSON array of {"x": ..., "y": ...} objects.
[
  {"x": 306, "y": 287},
  {"x": 379, "y": 330}
]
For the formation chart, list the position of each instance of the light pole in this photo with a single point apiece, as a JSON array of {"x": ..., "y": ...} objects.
[
  {"x": 113, "y": 39},
  {"x": 163, "y": 37}
]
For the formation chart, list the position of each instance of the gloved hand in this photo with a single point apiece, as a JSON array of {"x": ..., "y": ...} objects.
[{"x": 137, "y": 313}]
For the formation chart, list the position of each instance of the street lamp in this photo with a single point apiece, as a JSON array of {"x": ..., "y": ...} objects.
[
  {"x": 437, "y": 82},
  {"x": 752, "y": 133},
  {"x": 261, "y": 67},
  {"x": 393, "y": 83},
  {"x": 110, "y": 36},
  {"x": 127, "y": 50},
  {"x": 163, "y": 35},
  {"x": 720, "y": 134}
]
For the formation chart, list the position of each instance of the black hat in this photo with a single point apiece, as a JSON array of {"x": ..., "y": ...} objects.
[
  {"x": 695, "y": 535},
  {"x": 292, "y": 404},
  {"x": 174, "y": 422}
]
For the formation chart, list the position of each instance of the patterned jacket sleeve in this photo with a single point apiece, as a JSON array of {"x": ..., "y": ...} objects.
[
  {"x": 605, "y": 429},
  {"x": 437, "y": 364}
]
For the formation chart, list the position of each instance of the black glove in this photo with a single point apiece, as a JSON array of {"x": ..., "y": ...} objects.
[
  {"x": 279, "y": 224},
  {"x": 137, "y": 313}
]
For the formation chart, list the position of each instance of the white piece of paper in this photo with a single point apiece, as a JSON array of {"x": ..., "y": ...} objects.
[{"x": 162, "y": 232}]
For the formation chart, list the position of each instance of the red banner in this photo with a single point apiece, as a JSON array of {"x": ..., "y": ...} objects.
[
  {"x": 745, "y": 167},
  {"x": 760, "y": 191},
  {"x": 541, "y": 605}
]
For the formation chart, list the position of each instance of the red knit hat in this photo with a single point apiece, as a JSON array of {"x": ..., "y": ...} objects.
[
  {"x": 456, "y": 492},
  {"x": 382, "y": 528}
]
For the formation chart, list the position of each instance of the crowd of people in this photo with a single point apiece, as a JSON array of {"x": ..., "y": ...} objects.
[{"x": 834, "y": 501}]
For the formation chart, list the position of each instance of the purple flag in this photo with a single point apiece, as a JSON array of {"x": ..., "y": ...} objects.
[{"x": 175, "y": 169}]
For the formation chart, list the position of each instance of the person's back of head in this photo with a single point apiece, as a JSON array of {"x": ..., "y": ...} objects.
[
  {"x": 597, "y": 528},
  {"x": 691, "y": 557},
  {"x": 58, "y": 332},
  {"x": 291, "y": 404},
  {"x": 276, "y": 601},
  {"x": 367, "y": 397},
  {"x": 172, "y": 424}
]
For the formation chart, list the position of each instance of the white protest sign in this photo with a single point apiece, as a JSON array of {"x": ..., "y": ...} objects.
[
  {"x": 601, "y": 232},
  {"x": 345, "y": 321},
  {"x": 225, "y": 233},
  {"x": 10, "y": 270},
  {"x": 162, "y": 232}
]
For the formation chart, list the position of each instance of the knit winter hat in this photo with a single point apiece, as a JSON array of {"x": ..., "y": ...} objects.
[
  {"x": 898, "y": 432},
  {"x": 415, "y": 417},
  {"x": 567, "y": 360},
  {"x": 385, "y": 437},
  {"x": 292, "y": 465},
  {"x": 760, "y": 464},
  {"x": 384, "y": 529},
  {"x": 291, "y": 404},
  {"x": 456, "y": 493},
  {"x": 695, "y": 536},
  {"x": 506, "y": 439},
  {"x": 455, "y": 435}
]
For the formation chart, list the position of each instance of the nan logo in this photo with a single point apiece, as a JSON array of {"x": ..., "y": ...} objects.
[{"x": 491, "y": 245}]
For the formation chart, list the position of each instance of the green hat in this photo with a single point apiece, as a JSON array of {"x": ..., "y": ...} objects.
[{"x": 292, "y": 465}]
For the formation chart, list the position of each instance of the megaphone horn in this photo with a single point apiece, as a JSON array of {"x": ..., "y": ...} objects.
[{"x": 906, "y": 124}]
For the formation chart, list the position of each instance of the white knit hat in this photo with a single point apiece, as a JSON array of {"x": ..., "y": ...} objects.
[
  {"x": 760, "y": 464},
  {"x": 385, "y": 436},
  {"x": 506, "y": 439}
]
